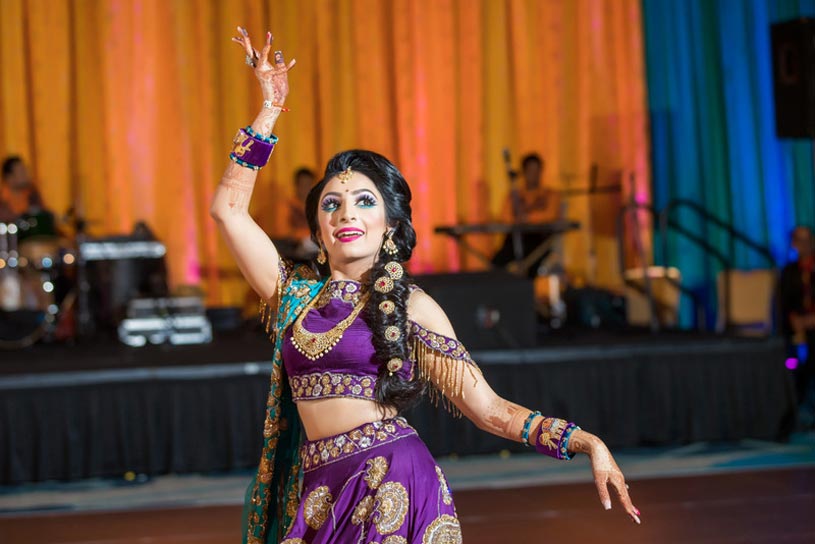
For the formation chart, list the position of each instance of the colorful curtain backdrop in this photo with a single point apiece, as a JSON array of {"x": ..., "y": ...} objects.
[
  {"x": 127, "y": 109},
  {"x": 710, "y": 93}
]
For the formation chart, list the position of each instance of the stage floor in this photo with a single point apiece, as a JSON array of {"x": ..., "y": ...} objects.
[{"x": 765, "y": 507}]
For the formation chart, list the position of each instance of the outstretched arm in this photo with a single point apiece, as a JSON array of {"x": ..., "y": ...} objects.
[
  {"x": 476, "y": 400},
  {"x": 254, "y": 252}
]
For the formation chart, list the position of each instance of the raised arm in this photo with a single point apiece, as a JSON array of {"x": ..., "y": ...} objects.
[
  {"x": 460, "y": 381},
  {"x": 254, "y": 252}
]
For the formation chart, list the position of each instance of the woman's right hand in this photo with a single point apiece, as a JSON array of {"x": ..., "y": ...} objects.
[{"x": 273, "y": 78}]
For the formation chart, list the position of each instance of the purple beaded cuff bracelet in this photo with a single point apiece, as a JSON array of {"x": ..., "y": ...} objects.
[
  {"x": 553, "y": 438},
  {"x": 251, "y": 149}
]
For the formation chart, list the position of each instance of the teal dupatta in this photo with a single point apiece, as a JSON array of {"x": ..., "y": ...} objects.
[{"x": 272, "y": 497}]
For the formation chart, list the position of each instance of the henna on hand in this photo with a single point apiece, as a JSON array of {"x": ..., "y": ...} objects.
[
  {"x": 273, "y": 78},
  {"x": 607, "y": 472}
]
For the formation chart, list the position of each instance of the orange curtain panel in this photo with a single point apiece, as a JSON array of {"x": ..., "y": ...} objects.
[{"x": 125, "y": 109}]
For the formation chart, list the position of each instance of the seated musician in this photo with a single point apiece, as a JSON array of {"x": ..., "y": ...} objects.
[
  {"x": 796, "y": 294},
  {"x": 19, "y": 197},
  {"x": 532, "y": 202}
]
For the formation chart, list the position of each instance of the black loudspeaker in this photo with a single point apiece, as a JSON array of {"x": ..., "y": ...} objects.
[
  {"x": 488, "y": 310},
  {"x": 793, "y": 45}
]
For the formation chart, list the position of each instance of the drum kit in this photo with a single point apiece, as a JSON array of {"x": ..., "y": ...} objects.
[{"x": 38, "y": 278}]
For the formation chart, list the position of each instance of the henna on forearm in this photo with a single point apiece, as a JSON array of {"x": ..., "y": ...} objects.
[
  {"x": 238, "y": 182},
  {"x": 265, "y": 121},
  {"x": 506, "y": 419}
]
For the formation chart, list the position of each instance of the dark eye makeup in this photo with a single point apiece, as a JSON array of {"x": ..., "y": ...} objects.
[{"x": 363, "y": 200}]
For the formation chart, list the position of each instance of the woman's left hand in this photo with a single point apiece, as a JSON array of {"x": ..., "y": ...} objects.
[
  {"x": 273, "y": 78},
  {"x": 607, "y": 472}
]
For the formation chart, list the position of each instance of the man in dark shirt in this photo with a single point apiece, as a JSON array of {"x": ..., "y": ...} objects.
[
  {"x": 532, "y": 202},
  {"x": 796, "y": 291}
]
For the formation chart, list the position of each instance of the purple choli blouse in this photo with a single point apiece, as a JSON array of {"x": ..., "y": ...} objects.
[{"x": 351, "y": 368}]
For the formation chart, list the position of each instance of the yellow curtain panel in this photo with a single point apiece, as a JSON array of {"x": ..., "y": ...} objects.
[{"x": 126, "y": 110}]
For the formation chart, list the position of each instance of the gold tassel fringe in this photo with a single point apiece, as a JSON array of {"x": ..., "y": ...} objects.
[{"x": 444, "y": 374}]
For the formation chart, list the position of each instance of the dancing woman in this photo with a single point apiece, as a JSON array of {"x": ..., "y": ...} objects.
[{"x": 354, "y": 345}]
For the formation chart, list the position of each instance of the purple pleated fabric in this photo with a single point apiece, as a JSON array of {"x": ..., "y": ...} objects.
[{"x": 375, "y": 484}]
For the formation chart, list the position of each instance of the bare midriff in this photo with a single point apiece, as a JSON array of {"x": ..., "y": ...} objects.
[{"x": 328, "y": 417}]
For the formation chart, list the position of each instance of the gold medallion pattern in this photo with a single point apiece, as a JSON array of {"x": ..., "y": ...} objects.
[
  {"x": 384, "y": 284},
  {"x": 395, "y": 270},
  {"x": 392, "y": 505},
  {"x": 393, "y": 333},
  {"x": 363, "y": 510},
  {"x": 317, "y": 507},
  {"x": 395, "y": 365},
  {"x": 377, "y": 469},
  {"x": 293, "y": 541},
  {"x": 445, "y": 529},
  {"x": 395, "y": 539}
]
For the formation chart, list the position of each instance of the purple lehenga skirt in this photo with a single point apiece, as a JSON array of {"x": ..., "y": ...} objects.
[{"x": 375, "y": 484}]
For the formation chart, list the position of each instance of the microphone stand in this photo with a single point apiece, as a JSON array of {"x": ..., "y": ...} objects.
[
  {"x": 84, "y": 318},
  {"x": 517, "y": 211}
]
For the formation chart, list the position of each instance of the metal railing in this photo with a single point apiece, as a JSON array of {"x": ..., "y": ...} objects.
[{"x": 665, "y": 222}]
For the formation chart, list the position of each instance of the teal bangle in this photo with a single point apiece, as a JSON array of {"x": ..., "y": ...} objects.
[
  {"x": 243, "y": 163},
  {"x": 272, "y": 139},
  {"x": 564, "y": 444},
  {"x": 527, "y": 424}
]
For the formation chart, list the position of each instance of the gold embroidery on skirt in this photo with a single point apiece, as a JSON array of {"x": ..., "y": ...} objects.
[
  {"x": 445, "y": 490},
  {"x": 377, "y": 469},
  {"x": 395, "y": 539},
  {"x": 317, "y": 506},
  {"x": 391, "y": 508},
  {"x": 445, "y": 529},
  {"x": 293, "y": 541},
  {"x": 363, "y": 510}
]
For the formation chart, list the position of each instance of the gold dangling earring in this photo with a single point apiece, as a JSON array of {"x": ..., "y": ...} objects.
[
  {"x": 390, "y": 246},
  {"x": 321, "y": 256}
]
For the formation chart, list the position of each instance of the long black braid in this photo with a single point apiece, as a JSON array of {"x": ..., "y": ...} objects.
[{"x": 391, "y": 389}]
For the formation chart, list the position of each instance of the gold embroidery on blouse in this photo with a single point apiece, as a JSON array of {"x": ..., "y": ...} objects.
[
  {"x": 344, "y": 290},
  {"x": 317, "y": 506},
  {"x": 445, "y": 529},
  {"x": 392, "y": 505},
  {"x": 314, "y": 345},
  {"x": 331, "y": 384}
]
